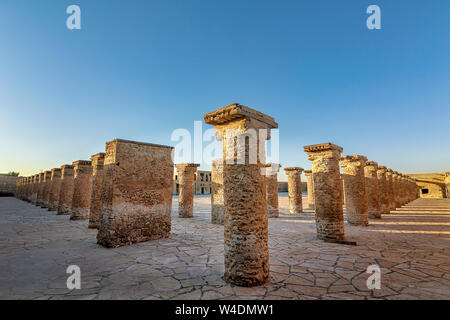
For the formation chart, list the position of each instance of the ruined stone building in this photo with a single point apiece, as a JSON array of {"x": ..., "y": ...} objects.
[
  {"x": 7, "y": 184},
  {"x": 202, "y": 184},
  {"x": 433, "y": 185}
]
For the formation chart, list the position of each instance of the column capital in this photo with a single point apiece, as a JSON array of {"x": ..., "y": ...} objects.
[
  {"x": 293, "y": 170},
  {"x": 372, "y": 164},
  {"x": 236, "y": 112},
  {"x": 67, "y": 167},
  {"x": 187, "y": 167},
  {"x": 82, "y": 163},
  {"x": 56, "y": 172},
  {"x": 322, "y": 147},
  {"x": 273, "y": 167},
  {"x": 98, "y": 157},
  {"x": 354, "y": 159}
]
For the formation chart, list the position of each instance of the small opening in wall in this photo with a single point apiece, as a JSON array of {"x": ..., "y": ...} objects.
[{"x": 424, "y": 191}]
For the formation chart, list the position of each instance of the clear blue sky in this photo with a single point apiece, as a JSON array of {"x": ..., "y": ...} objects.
[{"x": 140, "y": 69}]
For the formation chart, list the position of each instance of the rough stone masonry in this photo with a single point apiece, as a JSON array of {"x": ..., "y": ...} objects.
[
  {"x": 295, "y": 189},
  {"x": 217, "y": 201},
  {"x": 96, "y": 191},
  {"x": 243, "y": 131},
  {"x": 355, "y": 189},
  {"x": 328, "y": 199},
  {"x": 136, "y": 199},
  {"x": 66, "y": 190},
  {"x": 186, "y": 179},
  {"x": 82, "y": 183}
]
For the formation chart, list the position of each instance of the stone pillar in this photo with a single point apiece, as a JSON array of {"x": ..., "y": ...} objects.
[
  {"x": 355, "y": 189},
  {"x": 217, "y": 200},
  {"x": 136, "y": 200},
  {"x": 186, "y": 180},
  {"x": 66, "y": 190},
  {"x": 396, "y": 189},
  {"x": 272, "y": 189},
  {"x": 373, "y": 190},
  {"x": 310, "y": 186},
  {"x": 40, "y": 191},
  {"x": 46, "y": 189},
  {"x": 28, "y": 189},
  {"x": 447, "y": 183},
  {"x": 55, "y": 189},
  {"x": 390, "y": 187},
  {"x": 244, "y": 131},
  {"x": 295, "y": 189},
  {"x": 34, "y": 189},
  {"x": 383, "y": 189},
  {"x": 327, "y": 190},
  {"x": 82, "y": 185},
  {"x": 96, "y": 191}
]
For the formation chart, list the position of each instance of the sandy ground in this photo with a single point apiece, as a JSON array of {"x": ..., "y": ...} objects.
[{"x": 411, "y": 246}]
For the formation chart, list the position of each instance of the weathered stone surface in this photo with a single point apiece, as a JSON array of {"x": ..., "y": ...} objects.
[
  {"x": 272, "y": 170},
  {"x": 40, "y": 193},
  {"x": 372, "y": 190},
  {"x": 327, "y": 190},
  {"x": 217, "y": 199},
  {"x": 310, "y": 187},
  {"x": 136, "y": 196},
  {"x": 55, "y": 189},
  {"x": 447, "y": 183},
  {"x": 96, "y": 191},
  {"x": 46, "y": 188},
  {"x": 186, "y": 180},
  {"x": 383, "y": 189},
  {"x": 66, "y": 190},
  {"x": 82, "y": 185},
  {"x": 396, "y": 188},
  {"x": 295, "y": 189},
  {"x": 243, "y": 131},
  {"x": 34, "y": 189},
  {"x": 390, "y": 187},
  {"x": 355, "y": 189}
]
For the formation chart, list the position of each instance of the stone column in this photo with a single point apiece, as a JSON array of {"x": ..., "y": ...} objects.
[
  {"x": 327, "y": 190},
  {"x": 136, "y": 200},
  {"x": 217, "y": 200},
  {"x": 46, "y": 188},
  {"x": 295, "y": 189},
  {"x": 186, "y": 180},
  {"x": 310, "y": 186},
  {"x": 82, "y": 185},
  {"x": 66, "y": 190},
  {"x": 373, "y": 190},
  {"x": 55, "y": 189},
  {"x": 383, "y": 189},
  {"x": 396, "y": 189},
  {"x": 272, "y": 170},
  {"x": 355, "y": 189},
  {"x": 34, "y": 189},
  {"x": 96, "y": 191},
  {"x": 40, "y": 191},
  {"x": 244, "y": 131},
  {"x": 390, "y": 187},
  {"x": 28, "y": 189}
]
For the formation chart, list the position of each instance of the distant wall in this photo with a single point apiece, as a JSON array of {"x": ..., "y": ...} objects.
[
  {"x": 7, "y": 185},
  {"x": 432, "y": 185}
]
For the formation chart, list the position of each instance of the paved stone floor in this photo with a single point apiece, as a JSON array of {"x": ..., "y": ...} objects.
[{"x": 411, "y": 245}]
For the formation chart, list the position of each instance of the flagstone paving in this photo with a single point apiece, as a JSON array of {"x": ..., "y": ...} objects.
[{"x": 411, "y": 246}]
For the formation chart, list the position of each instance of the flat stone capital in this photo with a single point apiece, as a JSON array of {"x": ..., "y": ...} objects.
[
  {"x": 322, "y": 147},
  {"x": 236, "y": 112},
  {"x": 81, "y": 163},
  {"x": 372, "y": 164},
  {"x": 98, "y": 159},
  {"x": 187, "y": 167},
  {"x": 56, "y": 173},
  {"x": 293, "y": 170},
  {"x": 354, "y": 160},
  {"x": 382, "y": 169},
  {"x": 272, "y": 168},
  {"x": 308, "y": 173}
]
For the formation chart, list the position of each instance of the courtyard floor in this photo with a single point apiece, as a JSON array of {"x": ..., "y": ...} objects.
[{"x": 411, "y": 245}]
